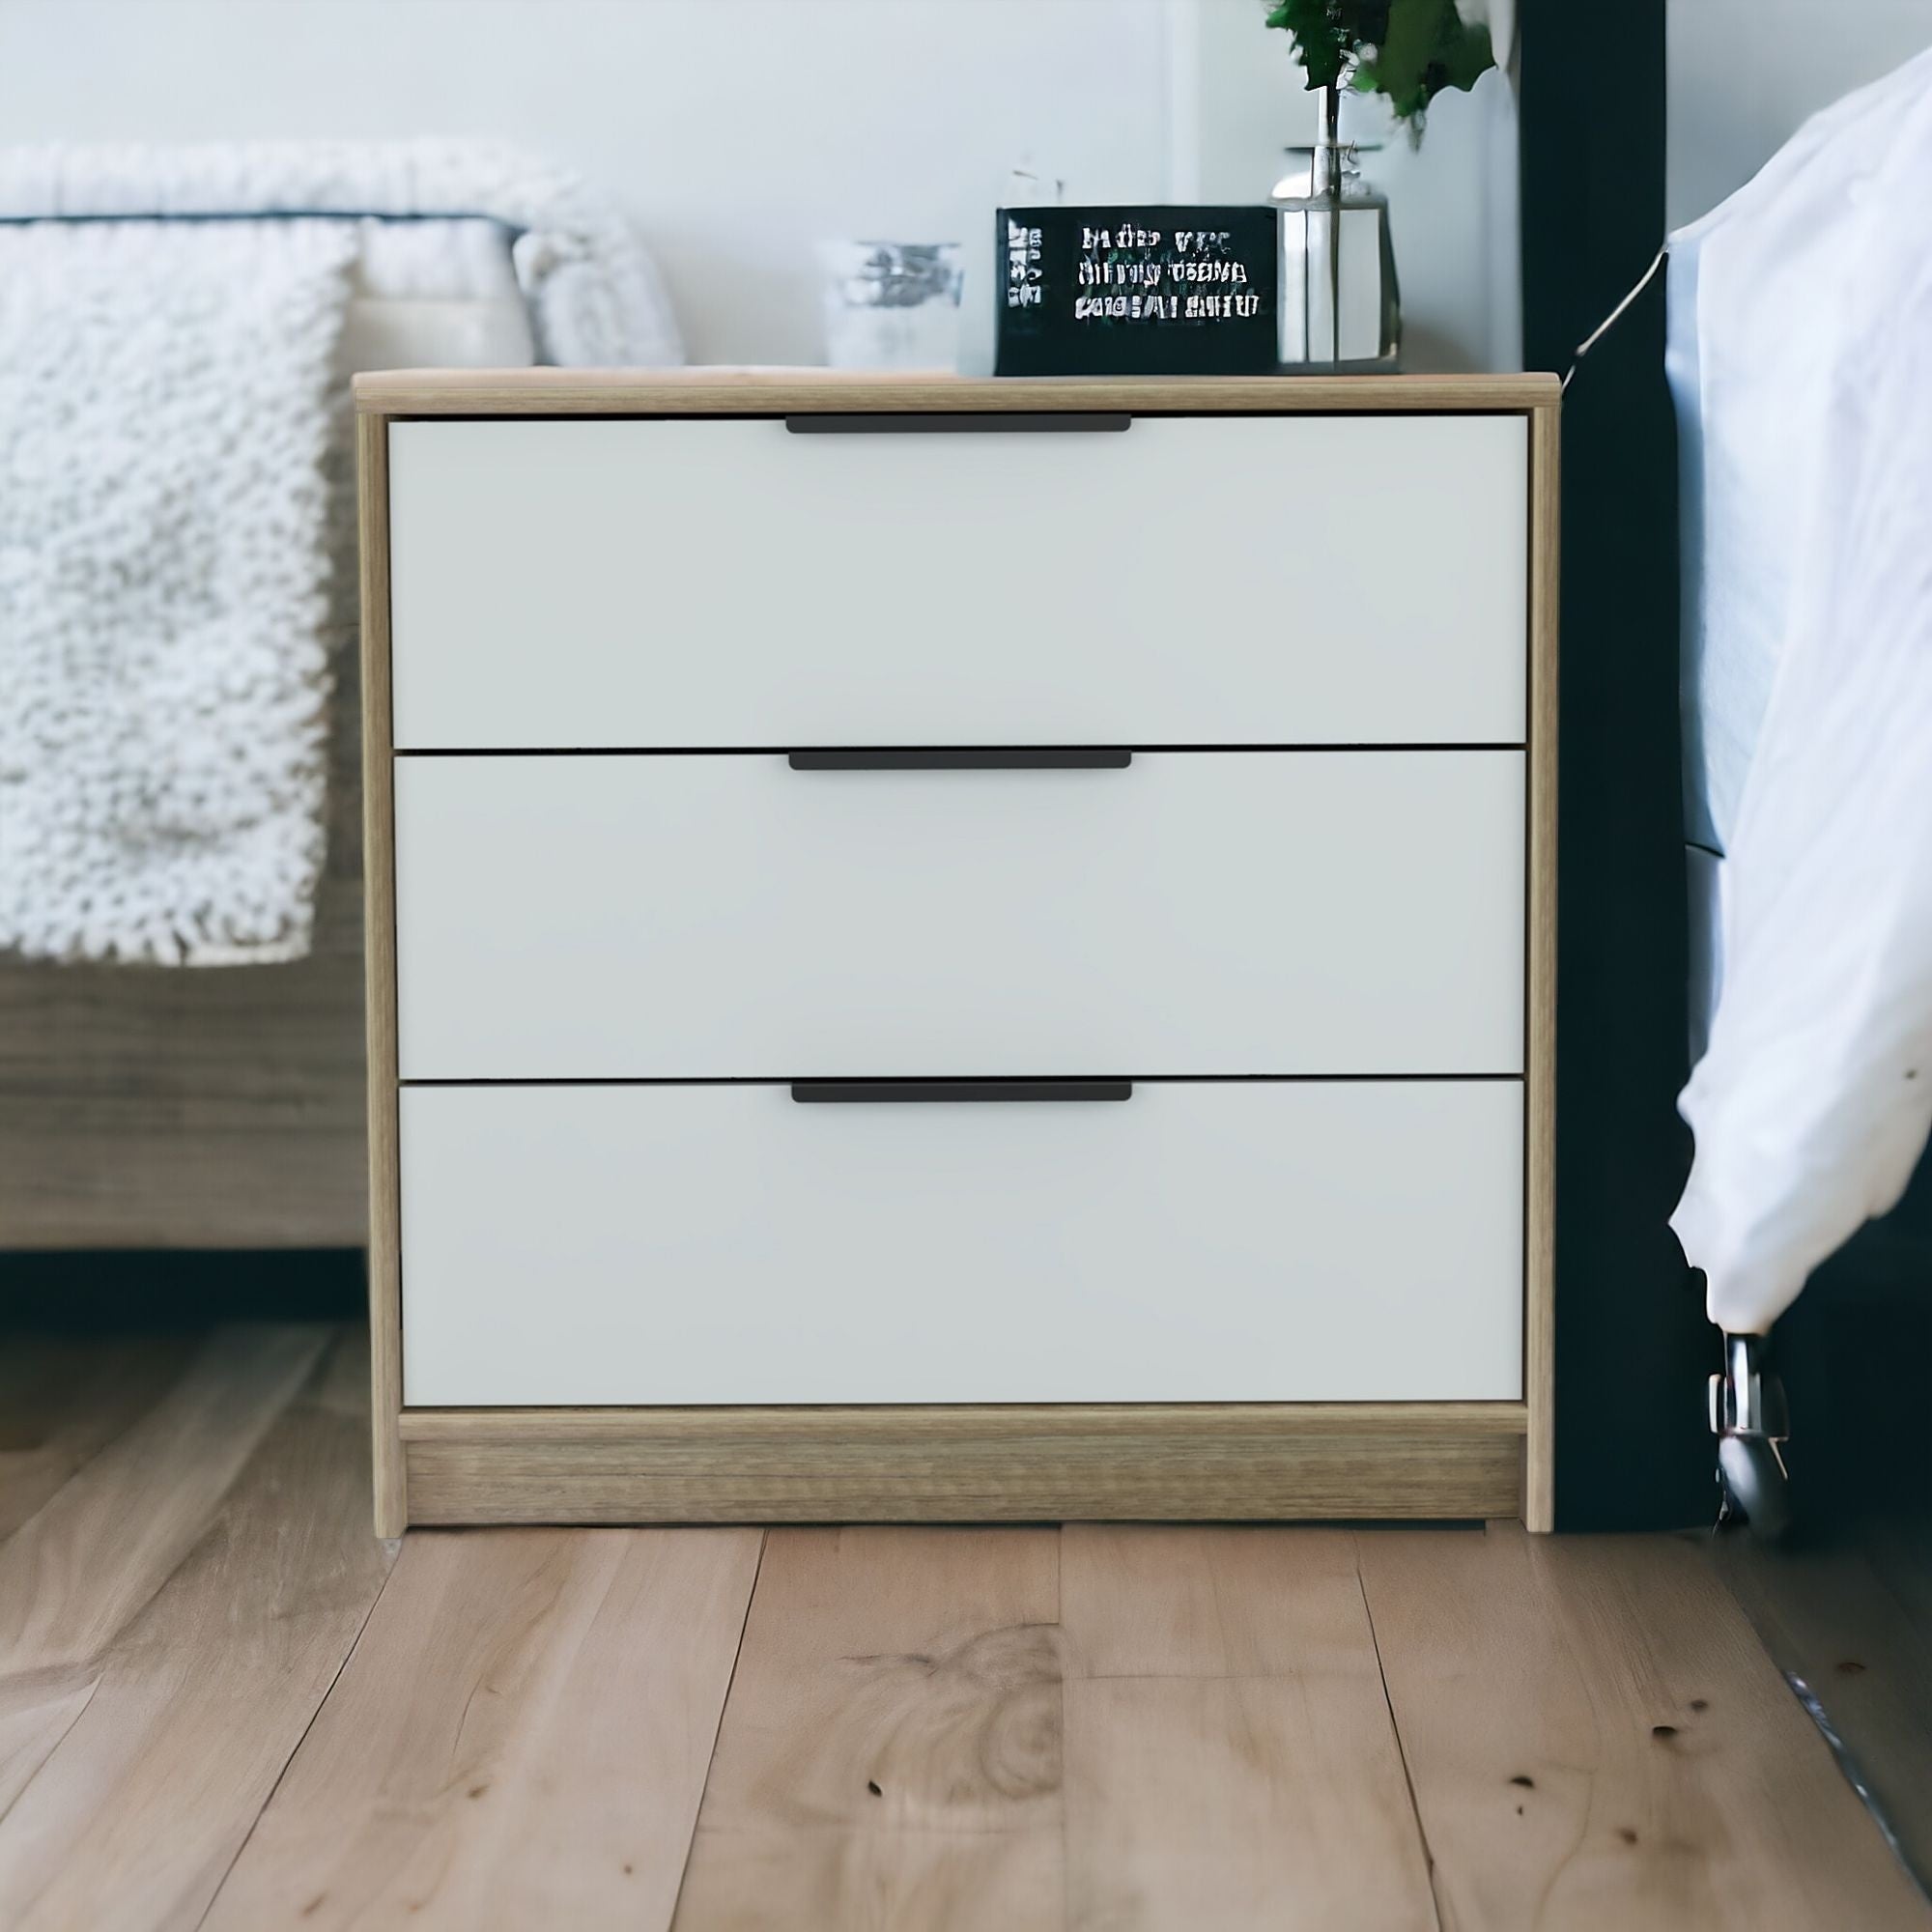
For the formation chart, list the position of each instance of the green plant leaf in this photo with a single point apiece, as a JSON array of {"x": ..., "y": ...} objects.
[
  {"x": 1469, "y": 58},
  {"x": 1321, "y": 43},
  {"x": 1406, "y": 50},
  {"x": 1402, "y": 61}
]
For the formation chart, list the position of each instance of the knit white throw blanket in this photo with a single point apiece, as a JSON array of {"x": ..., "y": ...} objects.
[
  {"x": 165, "y": 396},
  {"x": 171, "y": 430}
]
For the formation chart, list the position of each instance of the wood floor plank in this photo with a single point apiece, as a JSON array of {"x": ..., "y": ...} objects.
[
  {"x": 36, "y": 1710},
  {"x": 91, "y": 1556},
  {"x": 198, "y": 1702},
  {"x": 63, "y": 1398},
  {"x": 520, "y": 1739},
  {"x": 890, "y": 1754},
  {"x": 1828, "y": 1616},
  {"x": 1230, "y": 1759},
  {"x": 1598, "y": 1741},
  {"x": 1110, "y": 1727},
  {"x": 75, "y": 1573}
]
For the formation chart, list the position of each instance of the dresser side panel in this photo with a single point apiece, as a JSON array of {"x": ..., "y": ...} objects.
[{"x": 386, "y": 1331}]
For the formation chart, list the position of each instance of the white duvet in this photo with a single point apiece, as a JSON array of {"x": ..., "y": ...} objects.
[{"x": 1811, "y": 481}]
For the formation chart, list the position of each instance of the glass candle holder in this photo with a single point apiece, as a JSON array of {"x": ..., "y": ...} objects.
[{"x": 892, "y": 304}]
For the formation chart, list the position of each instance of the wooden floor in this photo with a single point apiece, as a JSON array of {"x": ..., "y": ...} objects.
[{"x": 222, "y": 1703}]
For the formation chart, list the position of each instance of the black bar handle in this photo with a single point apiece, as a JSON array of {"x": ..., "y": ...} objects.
[
  {"x": 960, "y": 422},
  {"x": 875, "y": 1092},
  {"x": 967, "y": 758}
]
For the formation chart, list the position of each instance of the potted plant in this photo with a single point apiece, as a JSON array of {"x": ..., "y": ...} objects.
[{"x": 1339, "y": 302}]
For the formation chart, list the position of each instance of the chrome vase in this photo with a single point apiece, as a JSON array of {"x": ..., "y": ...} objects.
[{"x": 1339, "y": 307}]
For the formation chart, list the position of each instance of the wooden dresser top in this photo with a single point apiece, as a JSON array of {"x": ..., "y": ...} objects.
[{"x": 728, "y": 392}]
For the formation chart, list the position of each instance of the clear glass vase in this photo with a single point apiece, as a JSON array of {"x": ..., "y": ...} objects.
[{"x": 890, "y": 304}]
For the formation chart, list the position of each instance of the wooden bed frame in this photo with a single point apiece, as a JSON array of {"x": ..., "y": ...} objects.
[{"x": 154, "y": 1107}]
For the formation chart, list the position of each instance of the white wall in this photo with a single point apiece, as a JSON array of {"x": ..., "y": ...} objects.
[
  {"x": 739, "y": 132},
  {"x": 1744, "y": 74}
]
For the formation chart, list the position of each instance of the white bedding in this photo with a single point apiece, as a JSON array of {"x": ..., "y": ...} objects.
[
  {"x": 1727, "y": 657},
  {"x": 1802, "y": 350},
  {"x": 592, "y": 287},
  {"x": 434, "y": 295}
]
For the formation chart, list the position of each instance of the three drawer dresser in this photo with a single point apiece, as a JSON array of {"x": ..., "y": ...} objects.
[{"x": 950, "y": 949}]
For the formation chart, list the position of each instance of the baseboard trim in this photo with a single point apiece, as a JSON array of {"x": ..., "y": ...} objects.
[{"x": 1253, "y": 1462}]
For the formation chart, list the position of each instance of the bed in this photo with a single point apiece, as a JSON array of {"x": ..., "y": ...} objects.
[
  {"x": 1801, "y": 369},
  {"x": 147, "y": 1105}
]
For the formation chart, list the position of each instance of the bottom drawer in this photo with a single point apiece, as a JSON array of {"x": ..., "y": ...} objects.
[{"x": 1201, "y": 1241}]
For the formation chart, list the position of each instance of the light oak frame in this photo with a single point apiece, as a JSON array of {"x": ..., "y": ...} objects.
[{"x": 1008, "y": 1463}]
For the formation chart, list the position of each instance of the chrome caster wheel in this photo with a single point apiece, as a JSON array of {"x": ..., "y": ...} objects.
[
  {"x": 1748, "y": 1418},
  {"x": 1756, "y": 1490}
]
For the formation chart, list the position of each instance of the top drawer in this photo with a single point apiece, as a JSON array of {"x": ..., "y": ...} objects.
[{"x": 656, "y": 584}]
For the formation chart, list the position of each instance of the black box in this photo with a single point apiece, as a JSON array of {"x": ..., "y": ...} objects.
[{"x": 1143, "y": 291}]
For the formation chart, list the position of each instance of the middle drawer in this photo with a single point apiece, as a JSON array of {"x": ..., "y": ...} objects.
[{"x": 713, "y": 915}]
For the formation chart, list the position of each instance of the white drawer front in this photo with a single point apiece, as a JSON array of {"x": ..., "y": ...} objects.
[
  {"x": 1201, "y": 1241},
  {"x": 1196, "y": 579},
  {"x": 1196, "y": 912}
]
